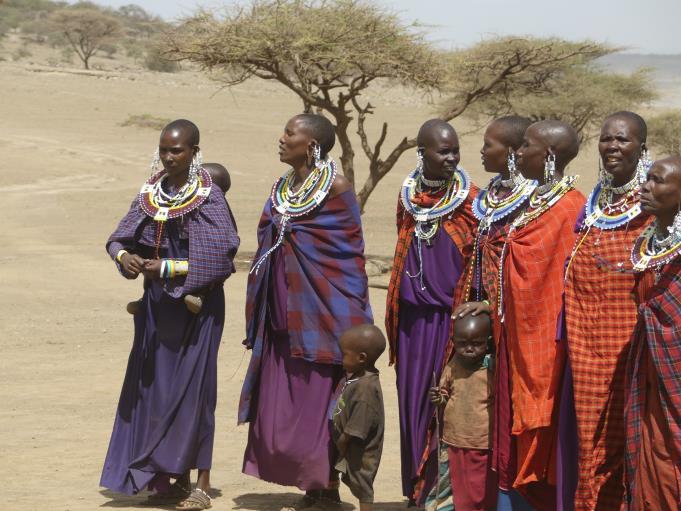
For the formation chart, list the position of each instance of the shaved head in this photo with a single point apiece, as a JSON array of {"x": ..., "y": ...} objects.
[
  {"x": 636, "y": 120},
  {"x": 430, "y": 129},
  {"x": 560, "y": 137},
  {"x": 479, "y": 323},
  {"x": 184, "y": 128},
  {"x": 365, "y": 338},
  {"x": 321, "y": 129},
  {"x": 511, "y": 129}
]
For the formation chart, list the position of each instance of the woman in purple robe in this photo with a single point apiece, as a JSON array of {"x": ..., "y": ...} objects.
[
  {"x": 306, "y": 287},
  {"x": 179, "y": 234},
  {"x": 436, "y": 228}
]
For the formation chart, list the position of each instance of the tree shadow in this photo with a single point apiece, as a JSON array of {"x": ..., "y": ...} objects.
[
  {"x": 275, "y": 501},
  {"x": 140, "y": 500}
]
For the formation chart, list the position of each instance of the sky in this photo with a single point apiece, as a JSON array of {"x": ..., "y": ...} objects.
[{"x": 644, "y": 26}]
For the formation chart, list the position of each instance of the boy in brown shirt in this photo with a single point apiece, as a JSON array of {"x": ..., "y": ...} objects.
[
  {"x": 466, "y": 391},
  {"x": 358, "y": 418}
]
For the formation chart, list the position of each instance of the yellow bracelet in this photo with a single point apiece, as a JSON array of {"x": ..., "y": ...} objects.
[{"x": 119, "y": 255}]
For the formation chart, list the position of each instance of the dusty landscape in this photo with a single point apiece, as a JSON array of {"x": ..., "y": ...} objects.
[{"x": 69, "y": 171}]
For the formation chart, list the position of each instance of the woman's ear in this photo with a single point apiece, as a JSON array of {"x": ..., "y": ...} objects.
[{"x": 363, "y": 357}]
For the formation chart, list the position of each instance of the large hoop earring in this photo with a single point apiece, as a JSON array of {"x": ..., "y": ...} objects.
[
  {"x": 550, "y": 169},
  {"x": 604, "y": 176}
]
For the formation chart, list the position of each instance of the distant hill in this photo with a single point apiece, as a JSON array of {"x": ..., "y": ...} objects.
[{"x": 666, "y": 67}]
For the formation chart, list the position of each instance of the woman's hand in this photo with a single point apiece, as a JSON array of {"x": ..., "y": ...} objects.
[
  {"x": 473, "y": 308},
  {"x": 152, "y": 268},
  {"x": 131, "y": 265}
]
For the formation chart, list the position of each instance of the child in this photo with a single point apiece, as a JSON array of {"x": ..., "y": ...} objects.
[
  {"x": 358, "y": 418},
  {"x": 466, "y": 387},
  {"x": 220, "y": 176}
]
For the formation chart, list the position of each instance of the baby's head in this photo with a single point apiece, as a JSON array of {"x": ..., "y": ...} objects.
[
  {"x": 361, "y": 346},
  {"x": 472, "y": 335},
  {"x": 219, "y": 175}
]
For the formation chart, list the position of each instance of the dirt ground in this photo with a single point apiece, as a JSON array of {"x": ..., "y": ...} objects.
[{"x": 68, "y": 173}]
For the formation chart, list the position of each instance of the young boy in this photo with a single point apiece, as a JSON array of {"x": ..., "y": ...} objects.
[
  {"x": 466, "y": 390},
  {"x": 358, "y": 418},
  {"x": 220, "y": 176}
]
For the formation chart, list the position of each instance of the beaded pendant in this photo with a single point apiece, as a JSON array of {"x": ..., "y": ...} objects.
[
  {"x": 542, "y": 202},
  {"x": 489, "y": 210},
  {"x": 455, "y": 194},
  {"x": 309, "y": 196},
  {"x": 610, "y": 216},
  {"x": 160, "y": 206},
  {"x": 646, "y": 254}
]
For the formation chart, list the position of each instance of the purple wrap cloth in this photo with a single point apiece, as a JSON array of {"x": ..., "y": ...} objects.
[
  {"x": 327, "y": 286},
  {"x": 165, "y": 420},
  {"x": 213, "y": 241},
  {"x": 288, "y": 439},
  {"x": 424, "y": 330}
]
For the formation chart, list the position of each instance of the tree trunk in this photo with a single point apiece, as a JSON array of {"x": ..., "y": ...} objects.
[{"x": 347, "y": 156}]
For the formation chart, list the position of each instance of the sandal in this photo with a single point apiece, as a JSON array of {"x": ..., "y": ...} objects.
[
  {"x": 196, "y": 501},
  {"x": 175, "y": 493}
]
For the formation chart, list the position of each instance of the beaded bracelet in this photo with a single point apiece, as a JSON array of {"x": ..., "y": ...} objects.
[{"x": 171, "y": 268}]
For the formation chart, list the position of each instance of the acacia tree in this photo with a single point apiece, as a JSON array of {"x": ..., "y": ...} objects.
[
  {"x": 664, "y": 132},
  {"x": 85, "y": 29},
  {"x": 328, "y": 52},
  {"x": 582, "y": 96}
]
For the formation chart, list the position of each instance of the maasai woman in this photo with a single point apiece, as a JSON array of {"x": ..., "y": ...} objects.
[
  {"x": 601, "y": 309},
  {"x": 435, "y": 226},
  {"x": 653, "y": 387},
  {"x": 497, "y": 206},
  {"x": 306, "y": 287},
  {"x": 530, "y": 285},
  {"x": 179, "y": 234}
]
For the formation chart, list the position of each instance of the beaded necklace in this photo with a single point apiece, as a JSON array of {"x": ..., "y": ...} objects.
[
  {"x": 601, "y": 212},
  {"x": 651, "y": 251},
  {"x": 427, "y": 220},
  {"x": 539, "y": 203},
  {"x": 458, "y": 186},
  {"x": 489, "y": 207},
  {"x": 161, "y": 206},
  {"x": 291, "y": 204}
]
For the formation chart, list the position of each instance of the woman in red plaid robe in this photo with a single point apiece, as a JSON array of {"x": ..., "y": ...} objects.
[
  {"x": 653, "y": 399},
  {"x": 598, "y": 336}
]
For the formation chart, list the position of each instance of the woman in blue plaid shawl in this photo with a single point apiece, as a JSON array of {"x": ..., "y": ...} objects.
[
  {"x": 165, "y": 421},
  {"x": 653, "y": 404},
  {"x": 307, "y": 286}
]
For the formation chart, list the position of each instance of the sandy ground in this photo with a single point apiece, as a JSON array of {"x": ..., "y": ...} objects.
[{"x": 68, "y": 173}]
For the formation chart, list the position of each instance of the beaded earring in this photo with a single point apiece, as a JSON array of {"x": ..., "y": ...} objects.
[
  {"x": 643, "y": 166},
  {"x": 195, "y": 166},
  {"x": 513, "y": 172},
  {"x": 155, "y": 163},
  {"x": 419, "y": 160},
  {"x": 317, "y": 155},
  {"x": 550, "y": 169},
  {"x": 675, "y": 228}
]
